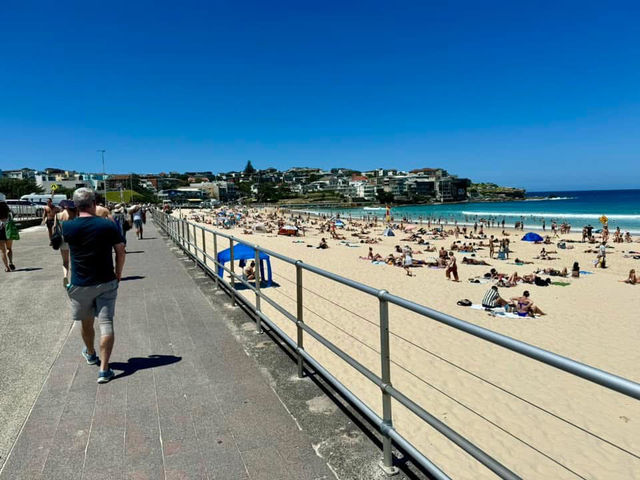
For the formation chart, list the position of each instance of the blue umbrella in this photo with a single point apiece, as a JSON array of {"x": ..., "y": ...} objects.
[{"x": 532, "y": 237}]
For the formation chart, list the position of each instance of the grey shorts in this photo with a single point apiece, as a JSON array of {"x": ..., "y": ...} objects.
[{"x": 95, "y": 301}]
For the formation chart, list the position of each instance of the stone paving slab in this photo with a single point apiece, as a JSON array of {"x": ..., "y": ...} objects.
[{"x": 187, "y": 402}]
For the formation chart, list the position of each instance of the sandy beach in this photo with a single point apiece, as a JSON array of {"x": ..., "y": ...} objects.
[{"x": 540, "y": 422}]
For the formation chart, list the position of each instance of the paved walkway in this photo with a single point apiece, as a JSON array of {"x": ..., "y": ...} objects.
[{"x": 187, "y": 401}]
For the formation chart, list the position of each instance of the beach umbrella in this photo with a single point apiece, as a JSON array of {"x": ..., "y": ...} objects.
[
  {"x": 532, "y": 237},
  {"x": 388, "y": 233}
]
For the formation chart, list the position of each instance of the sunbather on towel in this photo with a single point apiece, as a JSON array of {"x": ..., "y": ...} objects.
[
  {"x": 525, "y": 307},
  {"x": 474, "y": 261}
]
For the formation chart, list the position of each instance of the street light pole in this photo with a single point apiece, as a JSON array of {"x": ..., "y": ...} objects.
[{"x": 104, "y": 180}]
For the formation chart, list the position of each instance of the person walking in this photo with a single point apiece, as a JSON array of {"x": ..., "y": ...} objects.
[
  {"x": 49, "y": 216},
  {"x": 138, "y": 218},
  {"x": 452, "y": 268},
  {"x": 6, "y": 243},
  {"x": 94, "y": 281},
  {"x": 68, "y": 213}
]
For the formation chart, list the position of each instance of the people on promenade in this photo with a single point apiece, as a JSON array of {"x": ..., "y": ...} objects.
[
  {"x": 6, "y": 244},
  {"x": 119, "y": 216},
  {"x": 49, "y": 217},
  {"x": 94, "y": 281},
  {"x": 138, "y": 218},
  {"x": 68, "y": 213}
]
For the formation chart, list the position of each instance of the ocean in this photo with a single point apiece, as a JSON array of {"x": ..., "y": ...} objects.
[{"x": 577, "y": 208}]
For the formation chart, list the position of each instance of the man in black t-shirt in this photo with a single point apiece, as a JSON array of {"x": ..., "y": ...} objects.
[{"x": 94, "y": 281}]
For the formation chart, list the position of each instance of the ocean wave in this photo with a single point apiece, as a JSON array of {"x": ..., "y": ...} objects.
[
  {"x": 586, "y": 216},
  {"x": 373, "y": 208},
  {"x": 546, "y": 199}
]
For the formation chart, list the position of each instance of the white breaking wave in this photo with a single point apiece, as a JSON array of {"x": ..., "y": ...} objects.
[
  {"x": 586, "y": 216},
  {"x": 373, "y": 208},
  {"x": 547, "y": 199}
]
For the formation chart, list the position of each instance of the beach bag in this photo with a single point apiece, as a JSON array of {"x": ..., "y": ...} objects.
[
  {"x": 465, "y": 302},
  {"x": 11, "y": 230}
]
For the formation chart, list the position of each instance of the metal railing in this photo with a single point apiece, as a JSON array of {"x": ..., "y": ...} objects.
[
  {"x": 26, "y": 212},
  {"x": 184, "y": 234}
]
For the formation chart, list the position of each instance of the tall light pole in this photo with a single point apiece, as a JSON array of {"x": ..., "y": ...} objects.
[{"x": 104, "y": 180}]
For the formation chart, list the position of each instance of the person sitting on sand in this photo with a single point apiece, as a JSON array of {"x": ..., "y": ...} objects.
[
  {"x": 632, "y": 279},
  {"x": 474, "y": 261},
  {"x": 575, "y": 270},
  {"x": 323, "y": 244},
  {"x": 250, "y": 272},
  {"x": 525, "y": 307},
  {"x": 492, "y": 299}
]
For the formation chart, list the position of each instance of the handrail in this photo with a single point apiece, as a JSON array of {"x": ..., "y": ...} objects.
[{"x": 176, "y": 229}]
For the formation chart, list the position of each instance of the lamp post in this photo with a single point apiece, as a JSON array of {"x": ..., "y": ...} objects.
[{"x": 104, "y": 179}]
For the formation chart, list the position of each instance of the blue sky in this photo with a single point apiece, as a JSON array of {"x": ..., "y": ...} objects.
[{"x": 544, "y": 95}]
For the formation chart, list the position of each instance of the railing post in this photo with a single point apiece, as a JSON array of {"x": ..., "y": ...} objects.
[
  {"x": 215, "y": 258},
  {"x": 258, "y": 279},
  {"x": 182, "y": 233},
  {"x": 385, "y": 359},
  {"x": 233, "y": 278},
  {"x": 299, "y": 316},
  {"x": 204, "y": 247},
  {"x": 195, "y": 242}
]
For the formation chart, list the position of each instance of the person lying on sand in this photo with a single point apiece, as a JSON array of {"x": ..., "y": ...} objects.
[
  {"x": 474, "y": 261},
  {"x": 632, "y": 279},
  {"x": 554, "y": 272},
  {"x": 525, "y": 307},
  {"x": 523, "y": 262}
]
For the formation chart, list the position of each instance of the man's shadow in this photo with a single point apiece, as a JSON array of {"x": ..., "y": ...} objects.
[{"x": 141, "y": 363}]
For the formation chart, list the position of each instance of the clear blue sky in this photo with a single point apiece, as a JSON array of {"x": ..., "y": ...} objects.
[{"x": 545, "y": 95}]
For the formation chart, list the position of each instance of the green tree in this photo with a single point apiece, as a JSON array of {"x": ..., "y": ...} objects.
[
  {"x": 15, "y": 187},
  {"x": 384, "y": 197},
  {"x": 248, "y": 169}
]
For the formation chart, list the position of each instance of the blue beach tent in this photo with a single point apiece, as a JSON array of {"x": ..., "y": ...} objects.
[
  {"x": 244, "y": 252},
  {"x": 532, "y": 237}
]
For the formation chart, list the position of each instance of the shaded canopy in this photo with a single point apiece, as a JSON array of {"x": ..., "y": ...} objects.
[
  {"x": 388, "y": 233},
  {"x": 532, "y": 237},
  {"x": 245, "y": 252}
]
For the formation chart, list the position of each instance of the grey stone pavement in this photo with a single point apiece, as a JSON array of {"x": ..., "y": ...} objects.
[
  {"x": 198, "y": 393},
  {"x": 187, "y": 401}
]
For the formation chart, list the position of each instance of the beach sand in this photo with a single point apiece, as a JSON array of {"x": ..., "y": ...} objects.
[{"x": 538, "y": 421}]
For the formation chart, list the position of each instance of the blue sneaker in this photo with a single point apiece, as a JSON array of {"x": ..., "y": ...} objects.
[
  {"x": 105, "y": 376},
  {"x": 91, "y": 359}
]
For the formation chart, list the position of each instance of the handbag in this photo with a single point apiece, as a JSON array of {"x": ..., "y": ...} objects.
[
  {"x": 11, "y": 230},
  {"x": 56, "y": 237}
]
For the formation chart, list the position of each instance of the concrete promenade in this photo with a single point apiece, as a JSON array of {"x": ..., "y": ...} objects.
[{"x": 188, "y": 402}]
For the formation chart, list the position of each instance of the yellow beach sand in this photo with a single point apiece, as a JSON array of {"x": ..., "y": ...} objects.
[{"x": 540, "y": 422}]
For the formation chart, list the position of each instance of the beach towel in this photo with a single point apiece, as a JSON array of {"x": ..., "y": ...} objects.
[
  {"x": 497, "y": 311},
  {"x": 479, "y": 280},
  {"x": 584, "y": 272},
  {"x": 298, "y": 241},
  {"x": 561, "y": 284},
  {"x": 378, "y": 262}
]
